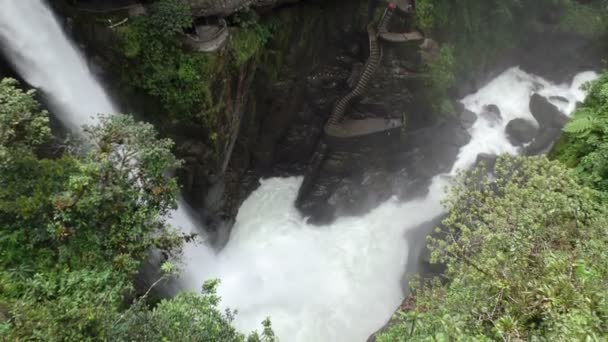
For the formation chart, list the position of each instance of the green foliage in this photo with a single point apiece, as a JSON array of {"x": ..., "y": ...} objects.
[
  {"x": 430, "y": 14},
  {"x": 588, "y": 20},
  {"x": 516, "y": 271},
  {"x": 169, "y": 18},
  {"x": 187, "y": 317},
  {"x": 189, "y": 84},
  {"x": 585, "y": 143},
  {"x": 159, "y": 65},
  {"x": 22, "y": 123},
  {"x": 478, "y": 31},
  {"x": 442, "y": 79},
  {"x": 249, "y": 38},
  {"x": 74, "y": 230}
]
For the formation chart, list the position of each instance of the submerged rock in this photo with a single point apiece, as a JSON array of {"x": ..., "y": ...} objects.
[
  {"x": 546, "y": 114},
  {"x": 544, "y": 141},
  {"x": 467, "y": 118},
  {"x": 491, "y": 113},
  {"x": 520, "y": 131}
]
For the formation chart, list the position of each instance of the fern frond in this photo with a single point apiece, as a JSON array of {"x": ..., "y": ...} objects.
[{"x": 581, "y": 126}]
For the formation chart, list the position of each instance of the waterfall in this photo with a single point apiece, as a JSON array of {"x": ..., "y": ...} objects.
[
  {"x": 340, "y": 282},
  {"x": 34, "y": 42},
  {"x": 343, "y": 281}
]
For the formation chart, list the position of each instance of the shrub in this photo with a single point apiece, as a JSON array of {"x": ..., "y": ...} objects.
[{"x": 526, "y": 260}]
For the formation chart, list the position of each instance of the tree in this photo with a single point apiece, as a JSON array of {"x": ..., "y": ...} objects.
[
  {"x": 526, "y": 259},
  {"x": 75, "y": 228}
]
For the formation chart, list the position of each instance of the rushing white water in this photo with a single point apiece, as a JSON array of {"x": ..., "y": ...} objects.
[
  {"x": 511, "y": 92},
  {"x": 335, "y": 283},
  {"x": 343, "y": 281},
  {"x": 36, "y": 45}
]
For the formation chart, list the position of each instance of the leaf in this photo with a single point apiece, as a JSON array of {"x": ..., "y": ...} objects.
[{"x": 581, "y": 126}]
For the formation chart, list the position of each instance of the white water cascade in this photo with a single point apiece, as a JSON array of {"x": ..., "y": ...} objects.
[
  {"x": 34, "y": 42},
  {"x": 343, "y": 281},
  {"x": 340, "y": 282}
]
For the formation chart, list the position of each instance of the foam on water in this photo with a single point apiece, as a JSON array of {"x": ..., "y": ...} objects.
[
  {"x": 340, "y": 282},
  {"x": 511, "y": 92},
  {"x": 343, "y": 281}
]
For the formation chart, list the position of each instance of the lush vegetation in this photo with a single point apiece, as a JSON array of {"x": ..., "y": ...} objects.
[
  {"x": 584, "y": 146},
  {"x": 525, "y": 250},
  {"x": 478, "y": 31},
  {"x": 76, "y": 225},
  {"x": 188, "y": 83},
  {"x": 160, "y": 66},
  {"x": 526, "y": 259}
]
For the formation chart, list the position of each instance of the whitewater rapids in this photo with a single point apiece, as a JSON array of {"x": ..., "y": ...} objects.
[
  {"x": 343, "y": 281},
  {"x": 340, "y": 282}
]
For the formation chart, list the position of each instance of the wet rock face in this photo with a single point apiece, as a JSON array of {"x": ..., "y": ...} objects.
[
  {"x": 360, "y": 176},
  {"x": 207, "y": 8},
  {"x": 491, "y": 113},
  {"x": 551, "y": 122},
  {"x": 547, "y": 114},
  {"x": 467, "y": 118},
  {"x": 355, "y": 181},
  {"x": 520, "y": 131}
]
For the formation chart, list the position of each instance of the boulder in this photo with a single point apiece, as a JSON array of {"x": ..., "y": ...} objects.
[
  {"x": 520, "y": 131},
  {"x": 546, "y": 114},
  {"x": 544, "y": 141},
  {"x": 467, "y": 118},
  {"x": 491, "y": 113}
]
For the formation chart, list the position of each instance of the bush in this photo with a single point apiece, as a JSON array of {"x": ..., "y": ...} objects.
[
  {"x": 181, "y": 80},
  {"x": 516, "y": 271},
  {"x": 584, "y": 145},
  {"x": 74, "y": 229},
  {"x": 187, "y": 317}
]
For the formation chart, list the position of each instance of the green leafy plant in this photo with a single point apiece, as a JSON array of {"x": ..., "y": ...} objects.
[
  {"x": 76, "y": 228},
  {"x": 585, "y": 143},
  {"x": 159, "y": 65},
  {"x": 515, "y": 271}
]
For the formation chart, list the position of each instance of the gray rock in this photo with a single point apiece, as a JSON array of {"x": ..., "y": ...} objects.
[
  {"x": 544, "y": 141},
  {"x": 491, "y": 113},
  {"x": 546, "y": 114},
  {"x": 214, "y": 198},
  {"x": 520, "y": 131},
  {"x": 467, "y": 118}
]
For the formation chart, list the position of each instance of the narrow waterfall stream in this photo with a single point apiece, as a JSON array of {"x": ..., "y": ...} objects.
[
  {"x": 36, "y": 45},
  {"x": 33, "y": 41},
  {"x": 339, "y": 282}
]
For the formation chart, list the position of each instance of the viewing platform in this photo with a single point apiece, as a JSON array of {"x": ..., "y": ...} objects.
[
  {"x": 208, "y": 38},
  {"x": 393, "y": 37},
  {"x": 351, "y": 133}
]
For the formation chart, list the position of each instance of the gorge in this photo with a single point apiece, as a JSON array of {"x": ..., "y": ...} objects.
[{"x": 336, "y": 269}]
